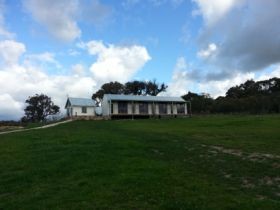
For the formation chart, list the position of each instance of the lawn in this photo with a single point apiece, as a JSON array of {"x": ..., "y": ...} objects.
[{"x": 213, "y": 162}]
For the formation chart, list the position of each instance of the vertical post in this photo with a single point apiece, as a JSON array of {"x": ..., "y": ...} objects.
[
  {"x": 153, "y": 108},
  {"x": 110, "y": 108},
  {"x": 172, "y": 112},
  {"x": 132, "y": 111},
  {"x": 190, "y": 108}
]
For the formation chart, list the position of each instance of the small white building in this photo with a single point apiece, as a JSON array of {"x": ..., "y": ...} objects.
[
  {"x": 142, "y": 106},
  {"x": 80, "y": 107}
]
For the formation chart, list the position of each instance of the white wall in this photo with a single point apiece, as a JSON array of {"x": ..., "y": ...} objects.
[
  {"x": 136, "y": 108},
  {"x": 156, "y": 109},
  {"x": 174, "y": 109},
  {"x": 115, "y": 108},
  {"x": 77, "y": 111},
  {"x": 168, "y": 108},
  {"x": 150, "y": 109},
  {"x": 105, "y": 107},
  {"x": 129, "y": 108}
]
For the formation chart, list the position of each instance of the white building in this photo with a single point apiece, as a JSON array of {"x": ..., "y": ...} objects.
[
  {"x": 142, "y": 106},
  {"x": 80, "y": 107}
]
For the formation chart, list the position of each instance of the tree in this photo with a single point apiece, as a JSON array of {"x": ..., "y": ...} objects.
[
  {"x": 113, "y": 88},
  {"x": 130, "y": 88},
  {"x": 153, "y": 88},
  {"x": 201, "y": 103},
  {"x": 39, "y": 107},
  {"x": 135, "y": 88},
  {"x": 108, "y": 88},
  {"x": 98, "y": 95}
]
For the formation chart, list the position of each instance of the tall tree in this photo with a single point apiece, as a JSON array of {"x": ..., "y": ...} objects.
[
  {"x": 39, "y": 107},
  {"x": 108, "y": 88},
  {"x": 135, "y": 88},
  {"x": 201, "y": 103},
  {"x": 153, "y": 88},
  {"x": 113, "y": 88}
]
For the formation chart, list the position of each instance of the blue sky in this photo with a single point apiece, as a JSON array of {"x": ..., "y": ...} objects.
[{"x": 72, "y": 47}]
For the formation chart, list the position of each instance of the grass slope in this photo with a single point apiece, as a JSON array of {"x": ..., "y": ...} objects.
[{"x": 217, "y": 162}]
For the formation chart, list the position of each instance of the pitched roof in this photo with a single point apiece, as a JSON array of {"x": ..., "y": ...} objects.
[
  {"x": 142, "y": 98},
  {"x": 80, "y": 102}
]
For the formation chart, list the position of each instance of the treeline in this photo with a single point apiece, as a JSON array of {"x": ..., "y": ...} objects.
[
  {"x": 10, "y": 123},
  {"x": 135, "y": 87},
  {"x": 250, "y": 97}
]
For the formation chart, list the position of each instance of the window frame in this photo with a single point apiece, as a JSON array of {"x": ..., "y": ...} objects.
[
  {"x": 84, "y": 109},
  {"x": 162, "y": 108},
  {"x": 143, "y": 107},
  {"x": 180, "y": 108},
  {"x": 122, "y": 107}
]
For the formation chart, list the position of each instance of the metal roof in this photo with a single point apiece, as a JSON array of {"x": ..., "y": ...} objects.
[
  {"x": 142, "y": 98},
  {"x": 80, "y": 102}
]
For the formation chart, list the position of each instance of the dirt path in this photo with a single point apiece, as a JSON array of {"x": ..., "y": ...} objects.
[{"x": 42, "y": 127}]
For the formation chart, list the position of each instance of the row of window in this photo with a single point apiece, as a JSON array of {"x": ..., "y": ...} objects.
[{"x": 143, "y": 108}]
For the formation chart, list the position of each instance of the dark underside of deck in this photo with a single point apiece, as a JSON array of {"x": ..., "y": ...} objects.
[{"x": 145, "y": 116}]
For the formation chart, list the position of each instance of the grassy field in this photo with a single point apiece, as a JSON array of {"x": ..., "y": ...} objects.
[{"x": 215, "y": 162}]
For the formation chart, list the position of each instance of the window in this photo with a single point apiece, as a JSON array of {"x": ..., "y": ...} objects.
[
  {"x": 143, "y": 108},
  {"x": 122, "y": 107},
  {"x": 162, "y": 108},
  {"x": 181, "y": 108},
  {"x": 84, "y": 109},
  {"x": 133, "y": 108}
]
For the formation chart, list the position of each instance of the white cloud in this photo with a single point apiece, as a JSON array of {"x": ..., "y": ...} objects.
[
  {"x": 219, "y": 88},
  {"x": 10, "y": 51},
  {"x": 184, "y": 79},
  {"x": 42, "y": 58},
  {"x": 73, "y": 52},
  {"x": 212, "y": 11},
  {"x": 186, "y": 34},
  {"x": 59, "y": 17},
  {"x": 10, "y": 108},
  {"x": 118, "y": 63},
  {"x": 181, "y": 81},
  {"x": 19, "y": 80},
  {"x": 268, "y": 75},
  {"x": 78, "y": 69},
  {"x": 3, "y": 31},
  {"x": 209, "y": 52},
  {"x": 94, "y": 12}
]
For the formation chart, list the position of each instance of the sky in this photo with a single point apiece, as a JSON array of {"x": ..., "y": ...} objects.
[{"x": 71, "y": 47}]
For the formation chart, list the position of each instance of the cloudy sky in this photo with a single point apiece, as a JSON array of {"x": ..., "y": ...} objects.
[{"x": 72, "y": 47}]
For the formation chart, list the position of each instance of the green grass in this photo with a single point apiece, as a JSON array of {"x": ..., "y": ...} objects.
[{"x": 216, "y": 162}]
